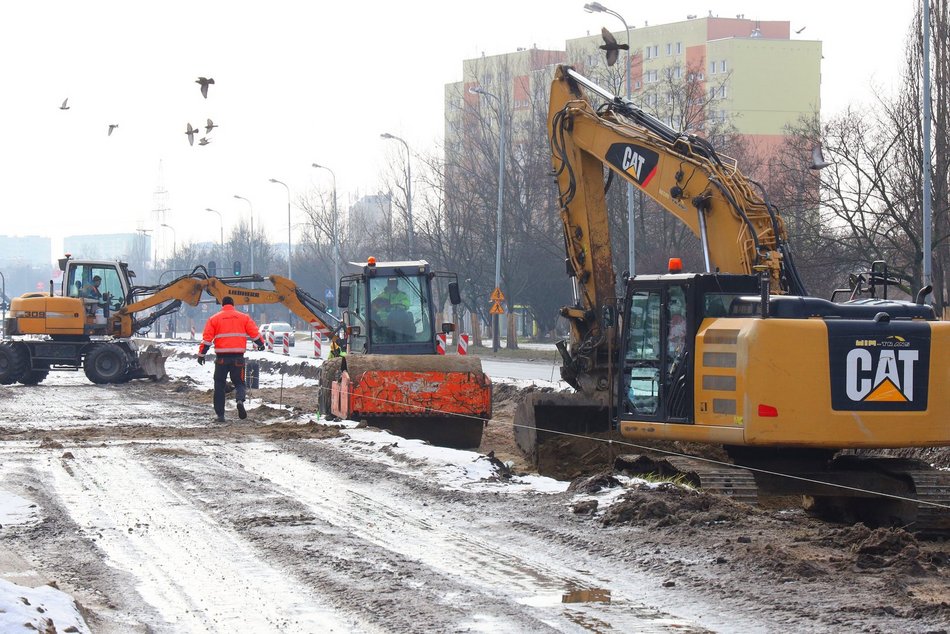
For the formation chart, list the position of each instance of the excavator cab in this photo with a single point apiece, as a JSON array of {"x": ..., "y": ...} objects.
[{"x": 663, "y": 314}]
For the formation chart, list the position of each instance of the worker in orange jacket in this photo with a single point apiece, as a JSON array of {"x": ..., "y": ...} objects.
[{"x": 229, "y": 331}]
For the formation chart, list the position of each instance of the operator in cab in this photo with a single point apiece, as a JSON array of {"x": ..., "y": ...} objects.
[
  {"x": 390, "y": 311},
  {"x": 228, "y": 330},
  {"x": 100, "y": 299}
]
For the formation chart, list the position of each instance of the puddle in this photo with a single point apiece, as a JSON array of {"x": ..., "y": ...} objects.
[{"x": 588, "y": 595}]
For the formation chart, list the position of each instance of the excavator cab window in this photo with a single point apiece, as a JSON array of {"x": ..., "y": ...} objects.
[
  {"x": 656, "y": 354},
  {"x": 81, "y": 281}
]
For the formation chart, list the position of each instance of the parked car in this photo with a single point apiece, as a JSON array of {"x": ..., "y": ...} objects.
[{"x": 278, "y": 328}]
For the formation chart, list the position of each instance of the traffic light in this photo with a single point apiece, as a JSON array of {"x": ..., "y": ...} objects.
[
  {"x": 237, "y": 267},
  {"x": 212, "y": 268}
]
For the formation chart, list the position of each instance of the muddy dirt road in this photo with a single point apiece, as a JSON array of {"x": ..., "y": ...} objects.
[{"x": 156, "y": 520}]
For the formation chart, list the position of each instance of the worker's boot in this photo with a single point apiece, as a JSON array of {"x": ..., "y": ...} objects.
[{"x": 242, "y": 413}]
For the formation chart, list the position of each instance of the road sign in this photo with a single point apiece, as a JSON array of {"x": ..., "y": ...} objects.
[
  {"x": 497, "y": 295},
  {"x": 329, "y": 294},
  {"x": 496, "y": 309}
]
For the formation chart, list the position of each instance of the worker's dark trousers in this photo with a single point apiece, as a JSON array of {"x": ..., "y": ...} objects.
[{"x": 228, "y": 365}]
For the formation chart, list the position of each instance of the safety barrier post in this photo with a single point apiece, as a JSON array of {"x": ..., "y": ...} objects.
[
  {"x": 192, "y": 332},
  {"x": 440, "y": 339},
  {"x": 463, "y": 343},
  {"x": 270, "y": 341},
  {"x": 286, "y": 344},
  {"x": 317, "y": 345}
]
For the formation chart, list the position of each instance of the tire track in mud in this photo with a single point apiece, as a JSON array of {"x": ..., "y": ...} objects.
[
  {"x": 199, "y": 575},
  {"x": 380, "y": 514}
]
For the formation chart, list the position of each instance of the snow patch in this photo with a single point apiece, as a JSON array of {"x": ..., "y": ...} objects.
[
  {"x": 43, "y": 609},
  {"x": 15, "y": 511}
]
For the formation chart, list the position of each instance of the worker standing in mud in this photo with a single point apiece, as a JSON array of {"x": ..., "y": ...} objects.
[{"x": 228, "y": 330}]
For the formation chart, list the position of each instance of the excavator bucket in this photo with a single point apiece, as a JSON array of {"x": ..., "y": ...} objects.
[
  {"x": 441, "y": 399},
  {"x": 151, "y": 363}
]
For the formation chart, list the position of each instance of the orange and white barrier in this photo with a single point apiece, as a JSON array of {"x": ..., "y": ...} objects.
[
  {"x": 192, "y": 333},
  {"x": 440, "y": 339},
  {"x": 286, "y": 342},
  {"x": 317, "y": 345},
  {"x": 463, "y": 343},
  {"x": 270, "y": 341}
]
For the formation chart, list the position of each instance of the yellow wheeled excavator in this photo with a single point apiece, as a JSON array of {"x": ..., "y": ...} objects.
[
  {"x": 737, "y": 355},
  {"x": 90, "y": 324}
]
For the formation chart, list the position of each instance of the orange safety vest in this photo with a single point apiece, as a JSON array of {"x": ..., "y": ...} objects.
[{"x": 228, "y": 330}]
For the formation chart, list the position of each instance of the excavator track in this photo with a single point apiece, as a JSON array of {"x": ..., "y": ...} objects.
[
  {"x": 733, "y": 482},
  {"x": 933, "y": 500}
]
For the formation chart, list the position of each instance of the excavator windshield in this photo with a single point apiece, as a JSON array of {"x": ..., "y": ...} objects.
[{"x": 96, "y": 281}]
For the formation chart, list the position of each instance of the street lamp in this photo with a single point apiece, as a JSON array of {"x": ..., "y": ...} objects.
[
  {"x": 251, "y": 207},
  {"x": 221, "y": 223},
  {"x": 3, "y": 300},
  {"x": 496, "y": 335},
  {"x": 412, "y": 236},
  {"x": 596, "y": 7},
  {"x": 289, "y": 250},
  {"x": 336, "y": 242},
  {"x": 174, "y": 239}
]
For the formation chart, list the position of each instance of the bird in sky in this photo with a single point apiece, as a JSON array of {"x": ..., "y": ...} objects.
[
  {"x": 204, "y": 82},
  {"x": 211, "y": 126},
  {"x": 817, "y": 159},
  {"x": 191, "y": 132},
  {"x": 204, "y": 141},
  {"x": 112, "y": 126},
  {"x": 799, "y": 30},
  {"x": 610, "y": 45},
  {"x": 64, "y": 106}
]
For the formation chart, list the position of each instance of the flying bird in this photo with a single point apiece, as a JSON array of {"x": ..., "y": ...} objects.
[
  {"x": 817, "y": 159},
  {"x": 112, "y": 126},
  {"x": 211, "y": 126},
  {"x": 191, "y": 132},
  {"x": 64, "y": 106},
  {"x": 610, "y": 45},
  {"x": 203, "y": 141},
  {"x": 205, "y": 82},
  {"x": 799, "y": 30}
]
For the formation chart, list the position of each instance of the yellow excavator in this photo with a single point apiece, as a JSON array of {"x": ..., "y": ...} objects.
[
  {"x": 91, "y": 323},
  {"x": 737, "y": 355}
]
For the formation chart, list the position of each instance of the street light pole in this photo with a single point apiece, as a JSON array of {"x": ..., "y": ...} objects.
[
  {"x": 496, "y": 334},
  {"x": 221, "y": 223},
  {"x": 412, "y": 235},
  {"x": 289, "y": 249},
  {"x": 596, "y": 7},
  {"x": 251, "y": 207},
  {"x": 336, "y": 241},
  {"x": 174, "y": 239},
  {"x": 3, "y": 300}
]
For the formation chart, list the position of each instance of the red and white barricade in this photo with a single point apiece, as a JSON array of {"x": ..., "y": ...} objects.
[
  {"x": 463, "y": 343},
  {"x": 192, "y": 333},
  {"x": 440, "y": 339},
  {"x": 286, "y": 343},
  {"x": 317, "y": 345},
  {"x": 270, "y": 341}
]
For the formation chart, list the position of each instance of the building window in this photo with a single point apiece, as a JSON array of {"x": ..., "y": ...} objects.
[
  {"x": 722, "y": 91},
  {"x": 712, "y": 68},
  {"x": 679, "y": 48},
  {"x": 712, "y": 93},
  {"x": 678, "y": 73},
  {"x": 656, "y": 50},
  {"x": 669, "y": 48},
  {"x": 646, "y": 52},
  {"x": 636, "y": 84},
  {"x": 722, "y": 66}
]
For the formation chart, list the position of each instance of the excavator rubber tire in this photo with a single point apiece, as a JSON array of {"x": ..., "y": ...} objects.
[
  {"x": 12, "y": 363},
  {"x": 105, "y": 363}
]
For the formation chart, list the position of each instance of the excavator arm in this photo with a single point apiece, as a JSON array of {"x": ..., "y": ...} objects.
[
  {"x": 285, "y": 292},
  {"x": 740, "y": 231}
]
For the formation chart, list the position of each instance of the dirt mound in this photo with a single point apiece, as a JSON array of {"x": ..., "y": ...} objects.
[
  {"x": 291, "y": 431},
  {"x": 668, "y": 504}
]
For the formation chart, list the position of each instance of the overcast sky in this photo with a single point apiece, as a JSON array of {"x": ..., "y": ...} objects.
[{"x": 296, "y": 82}]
